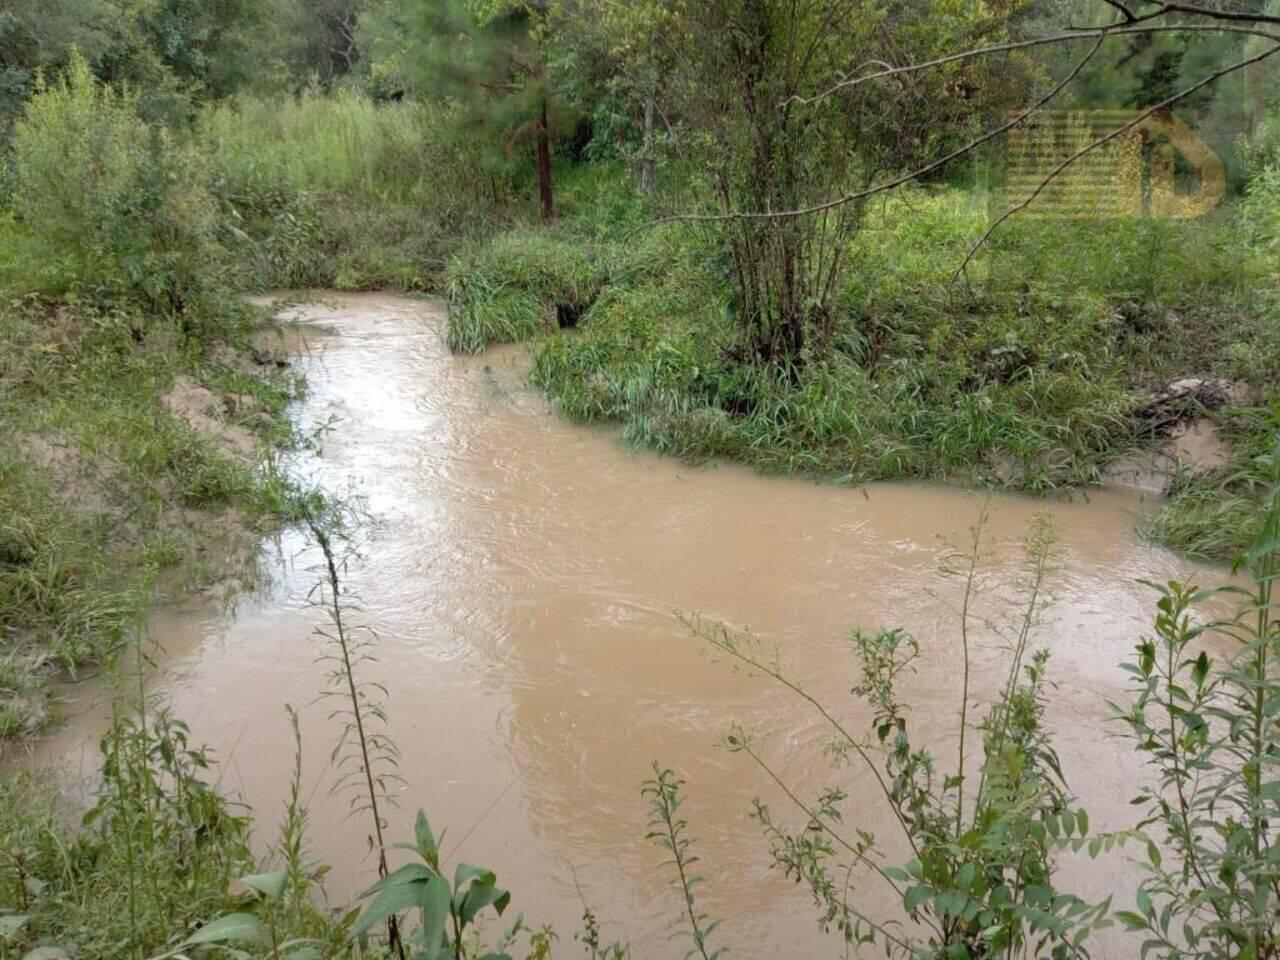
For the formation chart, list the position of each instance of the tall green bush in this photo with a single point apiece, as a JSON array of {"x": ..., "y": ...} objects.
[{"x": 105, "y": 204}]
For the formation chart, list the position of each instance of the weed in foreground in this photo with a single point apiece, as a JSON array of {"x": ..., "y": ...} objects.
[
  {"x": 1204, "y": 712},
  {"x": 983, "y": 836}
]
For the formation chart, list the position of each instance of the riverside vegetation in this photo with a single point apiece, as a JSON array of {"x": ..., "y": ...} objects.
[{"x": 512, "y": 157}]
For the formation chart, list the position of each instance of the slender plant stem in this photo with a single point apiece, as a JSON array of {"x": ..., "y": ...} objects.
[
  {"x": 677, "y": 853},
  {"x": 727, "y": 646},
  {"x": 976, "y": 541},
  {"x": 357, "y": 713}
]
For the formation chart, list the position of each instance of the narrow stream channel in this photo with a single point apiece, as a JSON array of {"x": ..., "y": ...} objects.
[{"x": 524, "y": 574}]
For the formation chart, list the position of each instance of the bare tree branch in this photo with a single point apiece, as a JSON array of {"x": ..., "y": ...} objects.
[
  {"x": 1122, "y": 9},
  {"x": 1088, "y": 148},
  {"x": 1114, "y": 30},
  {"x": 1197, "y": 10},
  {"x": 897, "y": 181},
  {"x": 1132, "y": 25}
]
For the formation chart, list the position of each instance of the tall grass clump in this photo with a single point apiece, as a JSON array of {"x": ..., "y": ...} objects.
[
  {"x": 105, "y": 205},
  {"x": 1262, "y": 212},
  {"x": 520, "y": 284},
  {"x": 341, "y": 190},
  {"x": 313, "y": 142},
  {"x": 1017, "y": 396}
]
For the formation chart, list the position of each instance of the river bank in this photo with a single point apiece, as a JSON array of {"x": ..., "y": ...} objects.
[{"x": 524, "y": 576}]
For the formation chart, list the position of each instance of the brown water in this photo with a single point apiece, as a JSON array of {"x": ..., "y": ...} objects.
[{"x": 524, "y": 574}]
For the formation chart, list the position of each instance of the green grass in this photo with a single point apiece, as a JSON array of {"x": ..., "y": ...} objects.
[
  {"x": 100, "y": 487},
  {"x": 516, "y": 286},
  {"x": 1216, "y": 514},
  {"x": 343, "y": 192},
  {"x": 1028, "y": 376},
  {"x": 152, "y": 859}
]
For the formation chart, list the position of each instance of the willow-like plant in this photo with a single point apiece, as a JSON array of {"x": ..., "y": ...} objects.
[
  {"x": 983, "y": 836},
  {"x": 1206, "y": 714},
  {"x": 447, "y": 910},
  {"x": 670, "y": 832},
  {"x": 365, "y": 756}
]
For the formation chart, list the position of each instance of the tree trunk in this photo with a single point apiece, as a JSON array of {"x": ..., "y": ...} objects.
[{"x": 544, "y": 166}]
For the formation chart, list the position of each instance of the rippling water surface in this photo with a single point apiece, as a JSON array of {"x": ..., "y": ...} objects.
[{"x": 524, "y": 576}]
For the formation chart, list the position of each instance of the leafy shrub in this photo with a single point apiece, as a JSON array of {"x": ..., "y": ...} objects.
[
  {"x": 108, "y": 205},
  {"x": 156, "y": 846},
  {"x": 1204, "y": 712},
  {"x": 984, "y": 830}
]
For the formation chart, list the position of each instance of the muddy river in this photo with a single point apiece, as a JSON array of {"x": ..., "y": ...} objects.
[{"x": 524, "y": 577}]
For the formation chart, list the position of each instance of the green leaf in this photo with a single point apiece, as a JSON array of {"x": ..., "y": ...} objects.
[
  {"x": 435, "y": 911},
  {"x": 467, "y": 871},
  {"x": 270, "y": 885},
  {"x": 481, "y": 895},
  {"x": 236, "y": 927},
  {"x": 1133, "y": 921},
  {"x": 391, "y": 900},
  {"x": 409, "y": 873},
  {"x": 427, "y": 846},
  {"x": 1144, "y": 903},
  {"x": 11, "y": 924}
]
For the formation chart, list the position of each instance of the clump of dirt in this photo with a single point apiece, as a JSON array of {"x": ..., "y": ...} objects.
[
  {"x": 1190, "y": 441},
  {"x": 78, "y": 480},
  {"x": 1198, "y": 445},
  {"x": 1185, "y": 399},
  {"x": 203, "y": 411}
]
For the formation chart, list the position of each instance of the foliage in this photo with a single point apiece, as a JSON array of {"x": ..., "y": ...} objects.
[
  {"x": 1203, "y": 715},
  {"x": 984, "y": 835},
  {"x": 342, "y": 191},
  {"x": 1262, "y": 213},
  {"x": 151, "y": 854},
  {"x": 364, "y": 756},
  {"x": 108, "y": 205},
  {"x": 173, "y": 53},
  {"x": 766, "y": 137},
  {"x": 487, "y": 59},
  {"x": 669, "y": 831},
  {"x": 517, "y": 285},
  {"x": 446, "y": 911},
  {"x": 914, "y": 388}
]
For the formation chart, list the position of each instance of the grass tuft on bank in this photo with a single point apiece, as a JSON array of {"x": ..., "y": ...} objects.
[
  {"x": 1029, "y": 373},
  {"x": 135, "y": 425}
]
